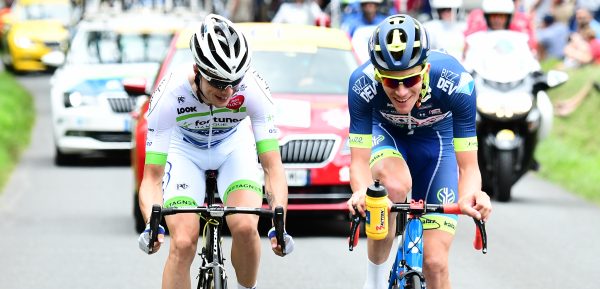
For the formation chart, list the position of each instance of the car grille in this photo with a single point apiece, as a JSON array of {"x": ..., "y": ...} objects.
[
  {"x": 120, "y": 105},
  {"x": 307, "y": 151},
  {"x": 104, "y": 136},
  {"x": 52, "y": 44}
]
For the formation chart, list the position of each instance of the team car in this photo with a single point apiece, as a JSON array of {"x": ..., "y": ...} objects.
[
  {"x": 32, "y": 29},
  {"x": 307, "y": 70},
  {"x": 90, "y": 108}
]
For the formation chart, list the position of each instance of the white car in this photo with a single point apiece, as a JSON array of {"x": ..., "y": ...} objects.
[{"x": 90, "y": 109}]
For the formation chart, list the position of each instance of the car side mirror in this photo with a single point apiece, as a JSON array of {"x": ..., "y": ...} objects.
[{"x": 135, "y": 86}]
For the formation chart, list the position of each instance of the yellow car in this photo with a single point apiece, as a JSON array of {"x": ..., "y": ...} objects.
[{"x": 31, "y": 30}]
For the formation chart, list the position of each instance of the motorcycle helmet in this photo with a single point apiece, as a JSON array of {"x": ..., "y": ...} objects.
[
  {"x": 399, "y": 42},
  {"x": 490, "y": 7},
  {"x": 220, "y": 50},
  {"x": 453, "y": 5}
]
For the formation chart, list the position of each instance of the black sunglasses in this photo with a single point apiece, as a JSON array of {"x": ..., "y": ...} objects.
[{"x": 222, "y": 85}]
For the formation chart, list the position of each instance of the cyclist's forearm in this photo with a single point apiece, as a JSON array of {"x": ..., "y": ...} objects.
[
  {"x": 360, "y": 173},
  {"x": 469, "y": 180},
  {"x": 276, "y": 187},
  {"x": 150, "y": 189}
]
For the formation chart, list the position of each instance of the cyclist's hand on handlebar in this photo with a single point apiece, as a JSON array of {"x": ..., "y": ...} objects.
[
  {"x": 287, "y": 239},
  {"x": 477, "y": 205},
  {"x": 144, "y": 239},
  {"x": 356, "y": 203}
]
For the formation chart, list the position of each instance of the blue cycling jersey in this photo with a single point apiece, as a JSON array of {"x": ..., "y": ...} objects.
[
  {"x": 427, "y": 137},
  {"x": 449, "y": 106}
]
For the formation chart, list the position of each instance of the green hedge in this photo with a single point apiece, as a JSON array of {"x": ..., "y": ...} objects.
[{"x": 17, "y": 115}]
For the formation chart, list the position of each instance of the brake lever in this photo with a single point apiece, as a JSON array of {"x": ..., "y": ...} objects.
[
  {"x": 354, "y": 232},
  {"x": 154, "y": 223},
  {"x": 279, "y": 227},
  {"x": 480, "y": 242}
]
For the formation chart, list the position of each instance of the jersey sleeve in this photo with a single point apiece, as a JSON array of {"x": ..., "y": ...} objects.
[
  {"x": 361, "y": 91},
  {"x": 161, "y": 117},
  {"x": 261, "y": 109},
  {"x": 462, "y": 103}
]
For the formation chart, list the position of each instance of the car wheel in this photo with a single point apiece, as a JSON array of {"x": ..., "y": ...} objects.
[{"x": 62, "y": 159}]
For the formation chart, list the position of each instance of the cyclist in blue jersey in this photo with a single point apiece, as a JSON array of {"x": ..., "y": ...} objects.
[
  {"x": 197, "y": 121},
  {"x": 412, "y": 126}
]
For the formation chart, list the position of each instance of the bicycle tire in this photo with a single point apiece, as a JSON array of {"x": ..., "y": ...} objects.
[
  {"x": 213, "y": 279},
  {"x": 413, "y": 282}
]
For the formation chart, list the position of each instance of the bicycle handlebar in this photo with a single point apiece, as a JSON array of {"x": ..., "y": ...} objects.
[
  {"x": 215, "y": 211},
  {"x": 420, "y": 208}
]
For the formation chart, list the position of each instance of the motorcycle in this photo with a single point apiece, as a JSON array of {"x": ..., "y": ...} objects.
[{"x": 514, "y": 111}]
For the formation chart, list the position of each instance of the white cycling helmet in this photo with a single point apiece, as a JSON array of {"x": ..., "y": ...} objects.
[
  {"x": 498, "y": 6},
  {"x": 220, "y": 50}
]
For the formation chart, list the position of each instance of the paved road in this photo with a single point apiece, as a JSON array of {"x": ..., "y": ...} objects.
[{"x": 71, "y": 227}]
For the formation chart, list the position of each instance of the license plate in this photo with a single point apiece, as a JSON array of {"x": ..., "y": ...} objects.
[{"x": 294, "y": 177}]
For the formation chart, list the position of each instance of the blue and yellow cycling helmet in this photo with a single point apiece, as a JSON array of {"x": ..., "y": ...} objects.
[{"x": 398, "y": 43}]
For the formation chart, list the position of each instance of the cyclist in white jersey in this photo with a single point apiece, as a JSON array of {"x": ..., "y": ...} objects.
[{"x": 195, "y": 123}]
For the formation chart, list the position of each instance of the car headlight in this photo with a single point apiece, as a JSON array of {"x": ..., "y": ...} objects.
[
  {"x": 23, "y": 42},
  {"x": 76, "y": 99},
  {"x": 505, "y": 105}
]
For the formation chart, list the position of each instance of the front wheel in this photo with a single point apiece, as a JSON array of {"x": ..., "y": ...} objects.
[
  {"x": 213, "y": 279},
  {"x": 413, "y": 282}
]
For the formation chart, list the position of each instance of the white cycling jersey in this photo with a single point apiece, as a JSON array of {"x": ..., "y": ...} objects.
[
  {"x": 188, "y": 137},
  {"x": 174, "y": 107}
]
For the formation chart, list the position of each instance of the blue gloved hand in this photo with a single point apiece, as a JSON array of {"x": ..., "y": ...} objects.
[
  {"x": 289, "y": 243},
  {"x": 144, "y": 239}
]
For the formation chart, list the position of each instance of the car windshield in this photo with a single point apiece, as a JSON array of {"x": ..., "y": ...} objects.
[
  {"x": 44, "y": 11},
  {"x": 109, "y": 47},
  {"x": 298, "y": 72}
]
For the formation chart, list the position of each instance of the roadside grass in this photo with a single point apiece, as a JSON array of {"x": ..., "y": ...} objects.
[
  {"x": 570, "y": 156},
  {"x": 17, "y": 115}
]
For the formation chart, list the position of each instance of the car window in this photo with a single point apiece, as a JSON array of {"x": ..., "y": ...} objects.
[
  {"x": 44, "y": 11},
  {"x": 106, "y": 47},
  {"x": 301, "y": 72}
]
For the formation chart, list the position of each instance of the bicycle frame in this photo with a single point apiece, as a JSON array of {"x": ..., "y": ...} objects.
[
  {"x": 212, "y": 271},
  {"x": 408, "y": 263}
]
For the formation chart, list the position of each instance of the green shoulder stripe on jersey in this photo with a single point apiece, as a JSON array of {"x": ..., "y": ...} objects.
[
  {"x": 155, "y": 158},
  {"x": 382, "y": 154},
  {"x": 180, "y": 201},
  {"x": 267, "y": 145},
  {"x": 247, "y": 185},
  {"x": 465, "y": 144},
  {"x": 361, "y": 140},
  {"x": 199, "y": 114}
]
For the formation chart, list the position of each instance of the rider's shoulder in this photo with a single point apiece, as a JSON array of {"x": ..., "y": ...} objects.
[
  {"x": 442, "y": 61},
  {"x": 253, "y": 85}
]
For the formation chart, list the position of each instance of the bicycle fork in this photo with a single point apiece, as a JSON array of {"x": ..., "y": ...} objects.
[
  {"x": 212, "y": 257},
  {"x": 409, "y": 258}
]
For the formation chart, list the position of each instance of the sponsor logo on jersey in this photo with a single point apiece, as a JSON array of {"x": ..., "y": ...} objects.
[
  {"x": 236, "y": 102},
  {"x": 466, "y": 84},
  {"x": 402, "y": 119},
  {"x": 365, "y": 87},
  {"x": 182, "y": 186},
  {"x": 446, "y": 195},
  {"x": 188, "y": 109},
  {"x": 447, "y": 81},
  {"x": 378, "y": 139},
  {"x": 181, "y": 99}
]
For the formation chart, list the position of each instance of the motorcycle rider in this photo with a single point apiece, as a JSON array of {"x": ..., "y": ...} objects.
[{"x": 446, "y": 29}]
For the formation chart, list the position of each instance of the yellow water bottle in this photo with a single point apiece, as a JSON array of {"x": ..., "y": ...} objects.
[{"x": 377, "y": 212}]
